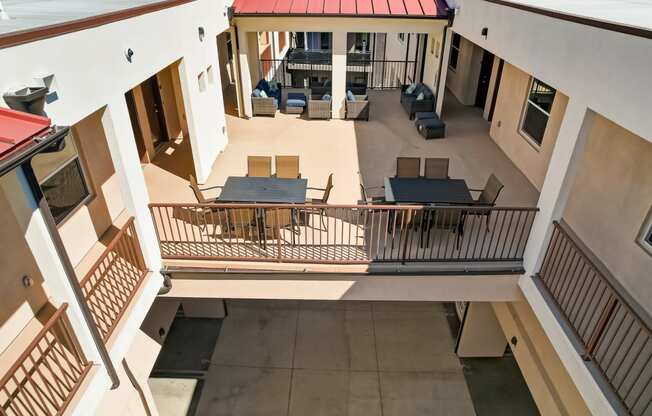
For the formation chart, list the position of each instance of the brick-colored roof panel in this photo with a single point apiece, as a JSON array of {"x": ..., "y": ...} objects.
[{"x": 366, "y": 8}]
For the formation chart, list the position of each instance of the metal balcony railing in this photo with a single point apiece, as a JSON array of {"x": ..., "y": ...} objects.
[
  {"x": 47, "y": 374},
  {"x": 613, "y": 331},
  {"x": 112, "y": 282},
  {"x": 341, "y": 234}
]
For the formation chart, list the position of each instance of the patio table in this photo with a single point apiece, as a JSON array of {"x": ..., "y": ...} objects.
[
  {"x": 264, "y": 190},
  {"x": 427, "y": 191}
]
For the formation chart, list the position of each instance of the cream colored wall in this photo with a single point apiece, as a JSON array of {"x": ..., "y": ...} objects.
[
  {"x": 505, "y": 126},
  {"x": 83, "y": 228},
  {"x": 552, "y": 388},
  {"x": 19, "y": 304},
  {"x": 462, "y": 82},
  {"x": 611, "y": 197}
]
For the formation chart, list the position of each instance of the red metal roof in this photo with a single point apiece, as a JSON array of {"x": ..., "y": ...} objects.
[
  {"x": 356, "y": 8},
  {"x": 18, "y": 128}
]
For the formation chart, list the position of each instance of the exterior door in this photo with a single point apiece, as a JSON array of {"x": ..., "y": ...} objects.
[
  {"x": 135, "y": 126},
  {"x": 155, "y": 115},
  {"x": 483, "y": 81}
]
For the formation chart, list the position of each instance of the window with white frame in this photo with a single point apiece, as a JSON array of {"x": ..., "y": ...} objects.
[
  {"x": 645, "y": 236},
  {"x": 537, "y": 110},
  {"x": 455, "y": 51},
  {"x": 61, "y": 177}
]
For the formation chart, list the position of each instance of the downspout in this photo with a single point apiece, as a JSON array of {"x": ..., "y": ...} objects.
[
  {"x": 69, "y": 270},
  {"x": 451, "y": 18}
]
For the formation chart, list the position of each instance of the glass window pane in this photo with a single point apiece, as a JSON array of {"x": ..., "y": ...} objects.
[
  {"x": 456, "y": 40},
  {"x": 534, "y": 123},
  {"x": 65, "y": 190},
  {"x": 453, "y": 60},
  {"x": 649, "y": 237},
  {"x": 45, "y": 164},
  {"x": 542, "y": 95}
]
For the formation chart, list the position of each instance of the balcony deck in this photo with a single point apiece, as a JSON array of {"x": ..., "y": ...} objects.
[{"x": 349, "y": 150}]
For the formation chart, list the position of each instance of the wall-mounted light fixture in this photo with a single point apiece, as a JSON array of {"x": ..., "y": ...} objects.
[
  {"x": 129, "y": 54},
  {"x": 202, "y": 33},
  {"x": 484, "y": 32}
]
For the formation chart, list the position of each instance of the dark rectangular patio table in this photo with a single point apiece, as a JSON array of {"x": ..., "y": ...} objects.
[
  {"x": 264, "y": 190},
  {"x": 427, "y": 191}
]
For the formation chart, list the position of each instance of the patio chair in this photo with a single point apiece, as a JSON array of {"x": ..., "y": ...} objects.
[
  {"x": 319, "y": 108},
  {"x": 408, "y": 167},
  {"x": 241, "y": 222},
  {"x": 358, "y": 108},
  {"x": 324, "y": 198},
  {"x": 259, "y": 166},
  {"x": 287, "y": 167},
  {"x": 195, "y": 189},
  {"x": 488, "y": 196},
  {"x": 436, "y": 168},
  {"x": 277, "y": 219},
  {"x": 364, "y": 193}
]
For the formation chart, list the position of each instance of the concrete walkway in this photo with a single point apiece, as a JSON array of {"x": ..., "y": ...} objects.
[{"x": 335, "y": 358}]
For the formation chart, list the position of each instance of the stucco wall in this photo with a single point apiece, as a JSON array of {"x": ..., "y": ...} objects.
[
  {"x": 609, "y": 201},
  {"x": 462, "y": 82},
  {"x": 83, "y": 228},
  {"x": 532, "y": 160},
  {"x": 19, "y": 304}
]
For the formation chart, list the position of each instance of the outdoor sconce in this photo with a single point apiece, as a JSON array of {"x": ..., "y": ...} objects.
[
  {"x": 129, "y": 54},
  {"x": 201, "y": 33},
  {"x": 484, "y": 32}
]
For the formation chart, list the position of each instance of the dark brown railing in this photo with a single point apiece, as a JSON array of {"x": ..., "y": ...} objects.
[
  {"x": 613, "y": 331},
  {"x": 341, "y": 234},
  {"x": 47, "y": 374},
  {"x": 114, "y": 279}
]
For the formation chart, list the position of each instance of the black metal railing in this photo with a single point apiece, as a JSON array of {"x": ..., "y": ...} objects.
[
  {"x": 360, "y": 71},
  {"x": 612, "y": 329},
  {"x": 341, "y": 234}
]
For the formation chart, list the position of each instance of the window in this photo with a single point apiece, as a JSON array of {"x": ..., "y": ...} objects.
[
  {"x": 645, "y": 236},
  {"x": 60, "y": 174},
  {"x": 325, "y": 40},
  {"x": 455, "y": 51},
  {"x": 201, "y": 81},
  {"x": 401, "y": 37},
  {"x": 537, "y": 110},
  {"x": 300, "y": 40},
  {"x": 210, "y": 75}
]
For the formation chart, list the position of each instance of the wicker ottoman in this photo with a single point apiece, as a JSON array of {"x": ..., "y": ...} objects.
[
  {"x": 295, "y": 103},
  {"x": 431, "y": 128}
]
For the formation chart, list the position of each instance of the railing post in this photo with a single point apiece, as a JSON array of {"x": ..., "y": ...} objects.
[
  {"x": 277, "y": 230},
  {"x": 406, "y": 231}
]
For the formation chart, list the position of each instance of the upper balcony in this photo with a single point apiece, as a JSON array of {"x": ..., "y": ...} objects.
[{"x": 346, "y": 229}]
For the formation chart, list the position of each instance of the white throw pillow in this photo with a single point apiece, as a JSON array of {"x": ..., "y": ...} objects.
[
  {"x": 411, "y": 88},
  {"x": 263, "y": 94},
  {"x": 420, "y": 97}
]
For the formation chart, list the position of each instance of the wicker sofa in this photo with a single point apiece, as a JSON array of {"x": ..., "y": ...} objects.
[
  {"x": 358, "y": 109},
  {"x": 318, "y": 108},
  {"x": 410, "y": 103}
]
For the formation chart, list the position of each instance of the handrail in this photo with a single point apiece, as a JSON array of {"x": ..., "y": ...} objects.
[
  {"x": 114, "y": 278},
  {"x": 341, "y": 234},
  {"x": 613, "y": 330},
  {"x": 47, "y": 373}
]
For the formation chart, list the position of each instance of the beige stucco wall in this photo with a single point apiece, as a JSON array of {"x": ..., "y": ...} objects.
[
  {"x": 552, "y": 388},
  {"x": 83, "y": 228},
  {"x": 505, "y": 126},
  {"x": 19, "y": 304},
  {"x": 462, "y": 82},
  {"x": 610, "y": 199}
]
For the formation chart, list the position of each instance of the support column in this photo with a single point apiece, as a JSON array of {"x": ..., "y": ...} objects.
[
  {"x": 122, "y": 146},
  {"x": 559, "y": 179},
  {"x": 339, "y": 74},
  {"x": 444, "y": 57},
  {"x": 249, "y": 73}
]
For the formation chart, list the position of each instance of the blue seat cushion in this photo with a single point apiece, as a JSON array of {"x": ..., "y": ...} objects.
[
  {"x": 296, "y": 99},
  {"x": 263, "y": 85}
]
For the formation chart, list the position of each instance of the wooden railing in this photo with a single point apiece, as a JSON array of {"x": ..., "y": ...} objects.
[
  {"x": 341, "y": 234},
  {"x": 614, "y": 332},
  {"x": 112, "y": 282},
  {"x": 47, "y": 374}
]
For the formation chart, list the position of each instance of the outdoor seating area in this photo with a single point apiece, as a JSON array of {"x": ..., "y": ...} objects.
[{"x": 348, "y": 193}]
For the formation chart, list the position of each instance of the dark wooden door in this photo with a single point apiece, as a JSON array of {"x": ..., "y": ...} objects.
[
  {"x": 135, "y": 126},
  {"x": 483, "y": 80},
  {"x": 154, "y": 106}
]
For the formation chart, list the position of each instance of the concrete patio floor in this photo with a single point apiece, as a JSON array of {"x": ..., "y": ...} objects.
[
  {"x": 347, "y": 148},
  {"x": 334, "y": 358}
]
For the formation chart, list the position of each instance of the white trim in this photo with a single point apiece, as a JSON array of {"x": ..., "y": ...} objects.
[{"x": 537, "y": 146}]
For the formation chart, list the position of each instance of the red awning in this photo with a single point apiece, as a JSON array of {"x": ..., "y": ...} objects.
[
  {"x": 349, "y": 8},
  {"x": 18, "y": 128}
]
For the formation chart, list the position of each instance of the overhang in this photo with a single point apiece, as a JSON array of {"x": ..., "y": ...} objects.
[{"x": 432, "y": 9}]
